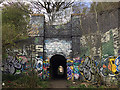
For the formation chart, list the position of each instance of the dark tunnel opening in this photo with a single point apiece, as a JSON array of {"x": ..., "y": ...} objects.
[{"x": 57, "y": 61}]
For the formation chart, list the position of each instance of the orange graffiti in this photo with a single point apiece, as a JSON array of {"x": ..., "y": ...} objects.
[
  {"x": 104, "y": 66},
  {"x": 109, "y": 66}
]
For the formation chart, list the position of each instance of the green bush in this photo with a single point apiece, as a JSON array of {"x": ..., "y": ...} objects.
[
  {"x": 23, "y": 80},
  {"x": 9, "y": 77},
  {"x": 81, "y": 86},
  {"x": 72, "y": 87},
  {"x": 91, "y": 86},
  {"x": 101, "y": 86},
  {"x": 43, "y": 84}
]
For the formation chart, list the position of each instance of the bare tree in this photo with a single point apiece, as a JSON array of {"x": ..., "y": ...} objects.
[
  {"x": 51, "y": 7},
  {"x": 1, "y": 1},
  {"x": 81, "y": 7}
]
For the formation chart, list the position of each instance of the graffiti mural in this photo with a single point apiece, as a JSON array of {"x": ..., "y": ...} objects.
[
  {"x": 19, "y": 62},
  {"x": 56, "y": 46},
  {"x": 87, "y": 68},
  {"x": 39, "y": 65},
  {"x": 110, "y": 66},
  {"x": 25, "y": 63},
  {"x": 76, "y": 67},
  {"x": 11, "y": 65},
  {"x": 22, "y": 64},
  {"x": 46, "y": 66},
  {"x": 69, "y": 72},
  {"x": 37, "y": 24},
  {"x": 70, "y": 69},
  {"x": 77, "y": 62},
  {"x": 16, "y": 65},
  {"x": 117, "y": 63}
]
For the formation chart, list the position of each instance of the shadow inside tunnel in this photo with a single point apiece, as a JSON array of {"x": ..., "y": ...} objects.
[{"x": 58, "y": 62}]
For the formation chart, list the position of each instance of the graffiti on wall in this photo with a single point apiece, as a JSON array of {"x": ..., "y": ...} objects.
[
  {"x": 117, "y": 63},
  {"x": 20, "y": 60},
  {"x": 39, "y": 65},
  {"x": 22, "y": 64},
  {"x": 110, "y": 66},
  {"x": 16, "y": 65},
  {"x": 87, "y": 68},
  {"x": 11, "y": 65},
  {"x": 25, "y": 63},
  {"x": 76, "y": 67},
  {"x": 77, "y": 62},
  {"x": 69, "y": 72},
  {"x": 39, "y": 48},
  {"x": 37, "y": 23},
  {"x": 56, "y": 46},
  {"x": 46, "y": 66},
  {"x": 69, "y": 69}
]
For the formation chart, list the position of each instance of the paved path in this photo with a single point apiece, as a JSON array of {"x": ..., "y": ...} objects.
[{"x": 58, "y": 83}]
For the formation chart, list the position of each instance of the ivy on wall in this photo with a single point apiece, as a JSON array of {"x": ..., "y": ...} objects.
[
  {"x": 108, "y": 47},
  {"x": 84, "y": 51}
]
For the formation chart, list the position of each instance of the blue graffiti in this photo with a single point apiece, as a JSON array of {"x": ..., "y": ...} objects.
[{"x": 117, "y": 63}]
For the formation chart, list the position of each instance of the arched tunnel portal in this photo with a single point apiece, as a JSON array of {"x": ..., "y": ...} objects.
[{"x": 56, "y": 62}]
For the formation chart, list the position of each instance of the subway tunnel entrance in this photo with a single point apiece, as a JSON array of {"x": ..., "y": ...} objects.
[{"x": 58, "y": 67}]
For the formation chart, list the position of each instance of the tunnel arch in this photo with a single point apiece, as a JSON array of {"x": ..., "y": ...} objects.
[{"x": 56, "y": 61}]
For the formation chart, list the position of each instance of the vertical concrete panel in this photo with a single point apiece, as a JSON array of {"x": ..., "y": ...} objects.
[{"x": 37, "y": 25}]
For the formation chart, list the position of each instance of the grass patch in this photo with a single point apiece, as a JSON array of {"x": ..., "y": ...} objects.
[
  {"x": 72, "y": 87},
  {"x": 23, "y": 81},
  {"x": 69, "y": 82},
  {"x": 101, "y": 87},
  {"x": 82, "y": 86},
  {"x": 42, "y": 84},
  {"x": 9, "y": 77},
  {"x": 91, "y": 86}
]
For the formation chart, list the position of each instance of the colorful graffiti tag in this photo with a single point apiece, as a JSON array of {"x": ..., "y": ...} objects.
[
  {"x": 25, "y": 63},
  {"x": 11, "y": 65},
  {"x": 76, "y": 67},
  {"x": 19, "y": 64},
  {"x": 117, "y": 63},
  {"x": 69, "y": 69},
  {"x": 77, "y": 62},
  {"x": 110, "y": 66},
  {"x": 69, "y": 72},
  {"x": 46, "y": 65},
  {"x": 88, "y": 67},
  {"x": 39, "y": 65}
]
